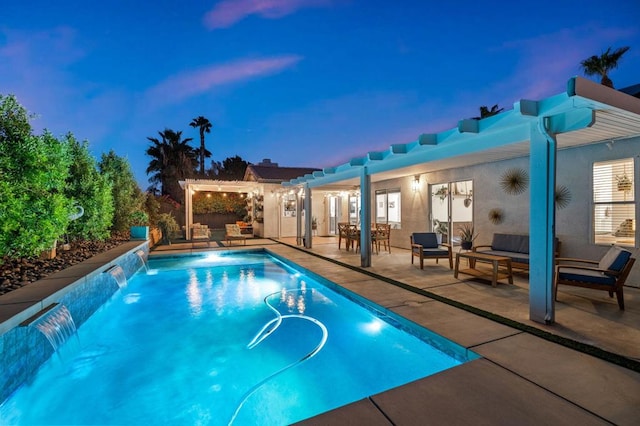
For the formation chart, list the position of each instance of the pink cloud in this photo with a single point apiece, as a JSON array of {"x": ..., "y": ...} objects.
[
  {"x": 193, "y": 83},
  {"x": 228, "y": 12}
]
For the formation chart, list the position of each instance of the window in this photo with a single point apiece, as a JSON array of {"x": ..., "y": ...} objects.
[
  {"x": 354, "y": 209},
  {"x": 289, "y": 205},
  {"x": 388, "y": 208},
  {"x": 451, "y": 208},
  {"x": 614, "y": 210}
]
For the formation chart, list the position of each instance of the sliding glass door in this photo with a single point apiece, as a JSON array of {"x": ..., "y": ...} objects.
[{"x": 451, "y": 208}]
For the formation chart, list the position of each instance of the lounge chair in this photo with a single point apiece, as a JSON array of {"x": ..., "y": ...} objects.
[
  {"x": 233, "y": 232},
  {"x": 608, "y": 274},
  {"x": 424, "y": 245},
  {"x": 201, "y": 232}
]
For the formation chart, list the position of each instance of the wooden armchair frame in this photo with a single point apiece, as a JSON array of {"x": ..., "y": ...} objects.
[
  {"x": 382, "y": 235},
  {"x": 343, "y": 229},
  {"x": 442, "y": 251},
  {"x": 572, "y": 268}
]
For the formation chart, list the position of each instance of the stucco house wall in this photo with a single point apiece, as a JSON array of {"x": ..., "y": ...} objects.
[{"x": 573, "y": 223}]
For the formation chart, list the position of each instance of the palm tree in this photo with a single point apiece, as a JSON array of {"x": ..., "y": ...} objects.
[
  {"x": 486, "y": 112},
  {"x": 601, "y": 65},
  {"x": 205, "y": 126},
  {"x": 172, "y": 160}
]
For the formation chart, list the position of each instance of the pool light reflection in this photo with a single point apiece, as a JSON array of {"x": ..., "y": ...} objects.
[{"x": 373, "y": 327}]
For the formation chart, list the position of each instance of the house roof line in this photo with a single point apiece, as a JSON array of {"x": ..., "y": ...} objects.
[{"x": 570, "y": 111}]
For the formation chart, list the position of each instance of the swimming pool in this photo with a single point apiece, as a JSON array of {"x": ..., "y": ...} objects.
[{"x": 238, "y": 338}]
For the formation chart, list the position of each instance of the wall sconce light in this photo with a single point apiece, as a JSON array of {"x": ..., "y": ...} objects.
[{"x": 415, "y": 185}]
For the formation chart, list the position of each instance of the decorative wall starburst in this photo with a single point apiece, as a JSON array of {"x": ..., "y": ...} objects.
[
  {"x": 563, "y": 197},
  {"x": 514, "y": 181},
  {"x": 496, "y": 216}
]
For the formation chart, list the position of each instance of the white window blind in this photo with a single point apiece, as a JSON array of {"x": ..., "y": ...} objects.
[{"x": 614, "y": 209}]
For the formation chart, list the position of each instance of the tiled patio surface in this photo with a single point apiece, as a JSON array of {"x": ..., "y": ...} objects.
[{"x": 521, "y": 379}]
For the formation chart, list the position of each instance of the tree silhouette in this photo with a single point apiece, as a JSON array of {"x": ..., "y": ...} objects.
[
  {"x": 233, "y": 168},
  {"x": 204, "y": 126},
  {"x": 172, "y": 160},
  {"x": 486, "y": 112},
  {"x": 601, "y": 65}
]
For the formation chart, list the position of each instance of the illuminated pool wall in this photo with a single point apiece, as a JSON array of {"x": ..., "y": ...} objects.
[{"x": 23, "y": 349}]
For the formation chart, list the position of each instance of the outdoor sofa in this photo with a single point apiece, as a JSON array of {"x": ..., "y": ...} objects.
[{"x": 514, "y": 246}]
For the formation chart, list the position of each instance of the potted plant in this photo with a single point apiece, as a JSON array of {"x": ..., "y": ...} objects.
[
  {"x": 624, "y": 182},
  {"x": 440, "y": 228},
  {"x": 441, "y": 193},
  {"x": 467, "y": 235},
  {"x": 139, "y": 221},
  {"x": 167, "y": 225}
]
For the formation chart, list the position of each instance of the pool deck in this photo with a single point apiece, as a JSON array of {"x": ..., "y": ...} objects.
[
  {"x": 571, "y": 372},
  {"x": 524, "y": 376}
]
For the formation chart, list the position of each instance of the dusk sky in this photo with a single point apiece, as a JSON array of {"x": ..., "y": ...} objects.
[{"x": 308, "y": 83}]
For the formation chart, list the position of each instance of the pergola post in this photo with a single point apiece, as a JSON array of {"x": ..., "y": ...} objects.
[
  {"x": 299, "y": 236},
  {"x": 188, "y": 211},
  {"x": 308, "y": 231},
  {"x": 542, "y": 223},
  {"x": 365, "y": 218}
]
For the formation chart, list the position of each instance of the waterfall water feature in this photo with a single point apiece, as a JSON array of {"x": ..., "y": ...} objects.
[
  {"x": 140, "y": 254},
  {"x": 56, "y": 324},
  {"x": 118, "y": 274}
]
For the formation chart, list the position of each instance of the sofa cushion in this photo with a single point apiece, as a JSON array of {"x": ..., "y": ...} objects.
[
  {"x": 515, "y": 256},
  {"x": 614, "y": 259},
  {"x": 425, "y": 239},
  {"x": 510, "y": 242},
  {"x": 585, "y": 275},
  {"x": 434, "y": 252}
]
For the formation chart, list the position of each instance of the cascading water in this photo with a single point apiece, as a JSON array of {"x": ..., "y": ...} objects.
[
  {"x": 57, "y": 325},
  {"x": 140, "y": 254},
  {"x": 118, "y": 274}
]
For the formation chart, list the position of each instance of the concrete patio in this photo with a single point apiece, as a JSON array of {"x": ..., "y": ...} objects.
[{"x": 584, "y": 369}]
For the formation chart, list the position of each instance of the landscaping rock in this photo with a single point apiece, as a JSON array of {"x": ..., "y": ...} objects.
[{"x": 16, "y": 273}]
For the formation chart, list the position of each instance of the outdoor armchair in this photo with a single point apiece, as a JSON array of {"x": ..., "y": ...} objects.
[
  {"x": 424, "y": 245},
  {"x": 233, "y": 232},
  {"x": 201, "y": 232},
  {"x": 608, "y": 274}
]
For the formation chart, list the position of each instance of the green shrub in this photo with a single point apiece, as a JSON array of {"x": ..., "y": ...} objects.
[
  {"x": 34, "y": 212},
  {"x": 168, "y": 225},
  {"x": 87, "y": 187},
  {"x": 139, "y": 218},
  {"x": 215, "y": 202},
  {"x": 127, "y": 196}
]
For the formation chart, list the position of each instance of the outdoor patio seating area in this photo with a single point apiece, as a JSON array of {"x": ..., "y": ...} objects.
[{"x": 350, "y": 233}]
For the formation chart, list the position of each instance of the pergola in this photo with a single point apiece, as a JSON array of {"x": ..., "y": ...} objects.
[
  {"x": 191, "y": 186},
  {"x": 586, "y": 113}
]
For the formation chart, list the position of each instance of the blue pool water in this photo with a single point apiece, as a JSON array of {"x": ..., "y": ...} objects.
[{"x": 173, "y": 347}]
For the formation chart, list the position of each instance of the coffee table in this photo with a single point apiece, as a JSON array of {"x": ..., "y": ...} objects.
[{"x": 494, "y": 274}]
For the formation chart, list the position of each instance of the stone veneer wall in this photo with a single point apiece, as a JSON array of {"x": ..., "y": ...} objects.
[{"x": 23, "y": 349}]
